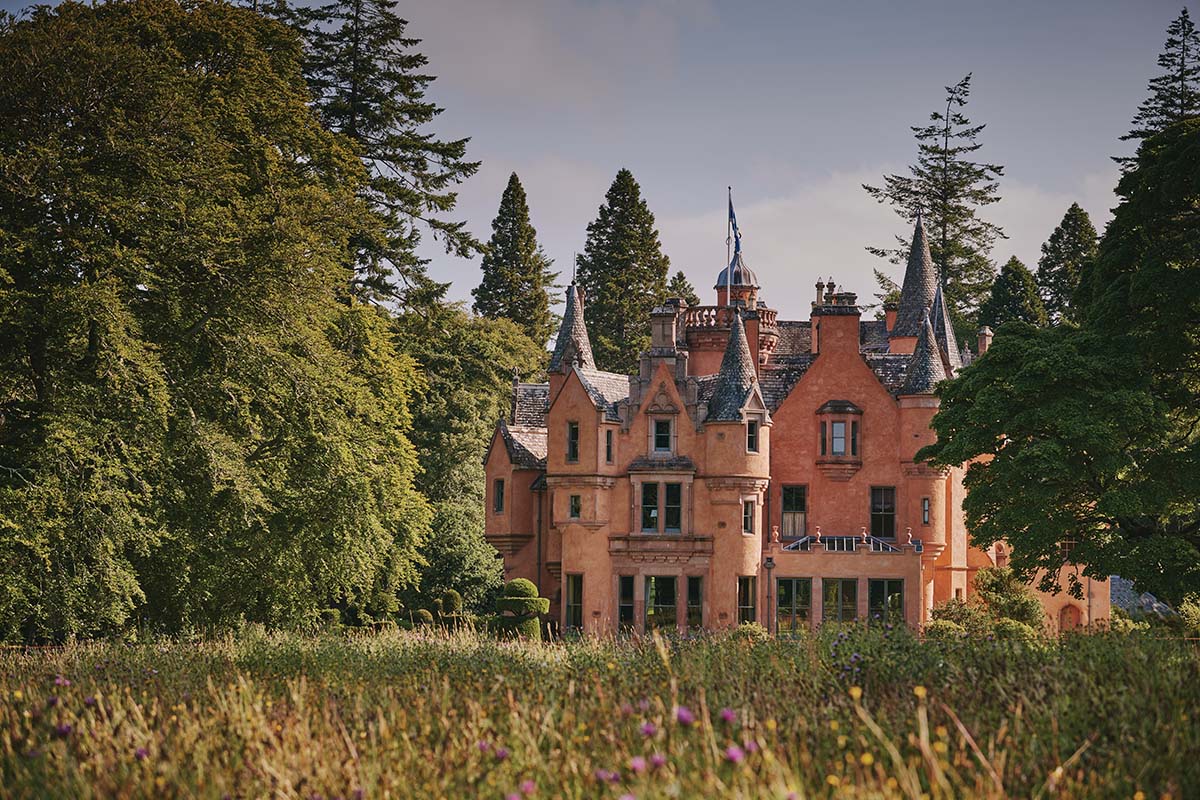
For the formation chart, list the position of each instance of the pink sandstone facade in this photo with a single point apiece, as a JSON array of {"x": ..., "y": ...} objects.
[{"x": 753, "y": 469}]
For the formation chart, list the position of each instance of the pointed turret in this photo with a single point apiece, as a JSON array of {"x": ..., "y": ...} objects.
[
  {"x": 573, "y": 348},
  {"x": 737, "y": 380},
  {"x": 920, "y": 285},
  {"x": 943, "y": 333},
  {"x": 925, "y": 370}
]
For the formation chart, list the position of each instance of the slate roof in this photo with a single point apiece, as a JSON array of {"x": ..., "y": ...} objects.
[
  {"x": 530, "y": 404},
  {"x": 526, "y": 445},
  {"x": 925, "y": 369},
  {"x": 606, "y": 389},
  {"x": 672, "y": 464},
  {"x": 920, "y": 284},
  {"x": 943, "y": 333},
  {"x": 572, "y": 346},
  {"x": 736, "y": 380}
]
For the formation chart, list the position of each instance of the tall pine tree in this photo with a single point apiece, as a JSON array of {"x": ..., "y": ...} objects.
[
  {"x": 1174, "y": 95},
  {"x": 950, "y": 187},
  {"x": 623, "y": 272},
  {"x": 369, "y": 83},
  {"x": 680, "y": 286},
  {"x": 1069, "y": 251},
  {"x": 1014, "y": 297},
  {"x": 517, "y": 280}
]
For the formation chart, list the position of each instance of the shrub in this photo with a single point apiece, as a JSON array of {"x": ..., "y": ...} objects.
[
  {"x": 1012, "y": 630},
  {"x": 520, "y": 587},
  {"x": 423, "y": 616},
  {"x": 750, "y": 632},
  {"x": 452, "y": 602},
  {"x": 944, "y": 629}
]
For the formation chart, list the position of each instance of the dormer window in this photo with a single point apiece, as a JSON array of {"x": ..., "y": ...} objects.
[{"x": 662, "y": 435}]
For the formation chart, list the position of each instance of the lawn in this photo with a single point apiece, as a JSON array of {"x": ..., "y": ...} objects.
[{"x": 849, "y": 712}]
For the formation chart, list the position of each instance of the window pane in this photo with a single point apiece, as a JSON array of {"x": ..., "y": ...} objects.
[
  {"x": 673, "y": 507},
  {"x": 650, "y": 507},
  {"x": 839, "y": 438},
  {"x": 695, "y": 602},
  {"x": 660, "y": 602},
  {"x": 662, "y": 434}
]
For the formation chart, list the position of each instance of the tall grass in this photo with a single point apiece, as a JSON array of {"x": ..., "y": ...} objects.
[{"x": 848, "y": 713}]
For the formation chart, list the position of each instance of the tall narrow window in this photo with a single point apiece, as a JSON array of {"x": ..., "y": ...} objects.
[
  {"x": 662, "y": 435},
  {"x": 660, "y": 602},
  {"x": 885, "y": 600},
  {"x": 752, "y": 436},
  {"x": 853, "y": 438},
  {"x": 823, "y": 439},
  {"x": 498, "y": 496},
  {"x": 572, "y": 442},
  {"x": 673, "y": 508},
  {"x": 695, "y": 602},
  {"x": 625, "y": 603},
  {"x": 747, "y": 597},
  {"x": 924, "y": 510},
  {"x": 575, "y": 509},
  {"x": 748, "y": 516},
  {"x": 574, "y": 602},
  {"x": 840, "y": 599},
  {"x": 793, "y": 608},
  {"x": 838, "y": 434},
  {"x": 795, "y": 511},
  {"x": 883, "y": 511},
  {"x": 608, "y": 447},
  {"x": 650, "y": 507}
]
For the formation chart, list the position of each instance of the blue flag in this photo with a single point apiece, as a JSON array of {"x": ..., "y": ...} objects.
[{"x": 737, "y": 235}]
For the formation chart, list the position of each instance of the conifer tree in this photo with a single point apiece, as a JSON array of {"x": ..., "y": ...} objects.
[
  {"x": 680, "y": 286},
  {"x": 1174, "y": 95},
  {"x": 517, "y": 279},
  {"x": 623, "y": 272},
  {"x": 1069, "y": 251},
  {"x": 1014, "y": 297},
  {"x": 368, "y": 83},
  {"x": 949, "y": 187}
]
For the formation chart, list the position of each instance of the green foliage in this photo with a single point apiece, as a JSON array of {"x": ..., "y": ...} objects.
[
  {"x": 520, "y": 587},
  {"x": 198, "y": 426},
  {"x": 1014, "y": 297},
  {"x": 949, "y": 186},
  {"x": 624, "y": 275},
  {"x": 943, "y": 629},
  {"x": 680, "y": 286},
  {"x": 1066, "y": 255},
  {"x": 1007, "y": 597},
  {"x": 1174, "y": 95},
  {"x": 369, "y": 83},
  {"x": 517, "y": 281}
]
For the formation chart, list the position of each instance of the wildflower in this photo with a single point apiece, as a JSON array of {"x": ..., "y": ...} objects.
[
  {"x": 866, "y": 759},
  {"x": 649, "y": 729},
  {"x": 684, "y": 716},
  {"x": 856, "y": 692},
  {"x": 727, "y": 715},
  {"x": 734, "y": 754},
  {"x": 141, "y": 754},
  {"x": 501, "y": 753},
  {"x": 63, "y": 731},
  {"x": 637, "y": 765},
  {"x": 61, "y": 681},
  {"x": 920, "y": 692},
  {"x": 528, "y": 788},
  {"x": 658, "y": 761}
]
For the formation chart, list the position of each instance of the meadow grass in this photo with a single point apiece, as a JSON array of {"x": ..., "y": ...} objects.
[{"x": 848, "y": 712}]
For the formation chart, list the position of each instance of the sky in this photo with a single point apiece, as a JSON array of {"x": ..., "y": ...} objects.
[{"x": 793, "y": 104}]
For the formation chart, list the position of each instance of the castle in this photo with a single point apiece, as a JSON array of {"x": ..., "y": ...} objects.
[{"x": 755, "y": 469}]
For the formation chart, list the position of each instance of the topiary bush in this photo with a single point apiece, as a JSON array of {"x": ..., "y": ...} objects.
[
  {"x": 944, "y": 630},
  {"x": 519, "y": 610}
]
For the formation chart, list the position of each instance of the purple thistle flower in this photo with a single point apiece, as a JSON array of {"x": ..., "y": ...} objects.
[
  {"x": 727, "y": 715},
  {"x": 649, "y": 729},
  {"x": 637, "y": 765},
  {"x": 141, "y": 754},
  {"x": 734, "y": 754},
  {"x": 658, "y": 761},
  {"x": 61, "y": 681},
  {"x": 684, "y": 716},
  {"x": 528, "y": 788},
  {"x": 501, "y": 753}
]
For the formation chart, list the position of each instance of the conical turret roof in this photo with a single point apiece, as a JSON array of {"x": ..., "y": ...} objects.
[
  {"x": 737, "y": 380},
  {"x": 925, "y": 370},
  {"x": 920, "y": 284},
  {"x": 943, "y": 333},
  {"x": 573, "y": 348}
]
